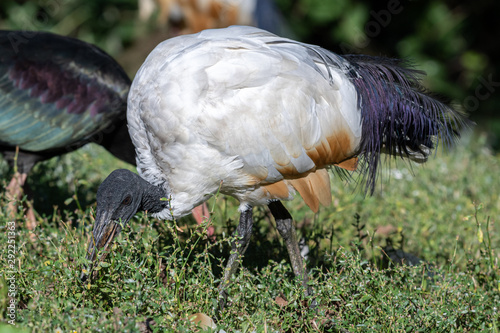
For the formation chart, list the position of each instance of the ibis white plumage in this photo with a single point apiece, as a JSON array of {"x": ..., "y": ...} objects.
[
  {"x": 243, "y": 112},
  {"x": 260, "y": 117}
]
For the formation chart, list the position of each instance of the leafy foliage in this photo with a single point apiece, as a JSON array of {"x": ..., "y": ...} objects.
[{"x": 159, "y": 274}]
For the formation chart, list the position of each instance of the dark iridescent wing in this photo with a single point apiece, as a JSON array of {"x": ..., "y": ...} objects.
[{"x": 56, "y": 91}]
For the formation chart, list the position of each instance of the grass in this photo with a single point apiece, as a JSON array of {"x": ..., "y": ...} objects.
[{"x": 159, "y": 275}]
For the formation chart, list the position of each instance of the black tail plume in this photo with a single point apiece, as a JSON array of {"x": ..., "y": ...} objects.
[{"x": 399, "y": 116}]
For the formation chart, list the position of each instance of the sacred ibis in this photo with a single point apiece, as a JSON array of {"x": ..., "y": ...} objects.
[
  {"x": 260, "y": 117},
  {"x": 57, "y": 94}
]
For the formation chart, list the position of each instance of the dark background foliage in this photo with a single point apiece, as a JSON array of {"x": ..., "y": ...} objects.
[{"x": 455, "y": 42}]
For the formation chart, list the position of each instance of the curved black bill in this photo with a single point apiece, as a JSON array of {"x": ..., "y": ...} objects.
[{"x": 105, "y": 230}]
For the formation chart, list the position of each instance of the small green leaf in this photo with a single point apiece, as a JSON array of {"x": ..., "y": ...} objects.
[
  {"x": 479, "y": 234},
  {"x": 365, "y": 298}
]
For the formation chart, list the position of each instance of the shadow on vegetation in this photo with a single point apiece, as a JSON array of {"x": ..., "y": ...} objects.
[{"x": 53, "y": 195}]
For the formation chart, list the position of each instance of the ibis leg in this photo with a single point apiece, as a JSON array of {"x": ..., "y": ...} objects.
[
  {"x": 238, "y": 248},
  {"x": 284, "y": 224}
]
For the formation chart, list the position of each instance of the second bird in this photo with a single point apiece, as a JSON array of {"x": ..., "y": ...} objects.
[{"x": 56, "y": 94}]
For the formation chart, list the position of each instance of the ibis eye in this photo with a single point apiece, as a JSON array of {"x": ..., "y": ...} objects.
[{"x": 127, "y": 201}]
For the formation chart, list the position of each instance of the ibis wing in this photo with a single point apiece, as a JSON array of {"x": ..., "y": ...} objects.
[{"x": 56, "y": 91}]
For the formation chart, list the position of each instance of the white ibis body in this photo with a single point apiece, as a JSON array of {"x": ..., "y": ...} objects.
[{"x": 262, "y": 117}]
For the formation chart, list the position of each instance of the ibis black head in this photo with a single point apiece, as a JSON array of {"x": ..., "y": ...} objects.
[{"x": 119, "y": 197}]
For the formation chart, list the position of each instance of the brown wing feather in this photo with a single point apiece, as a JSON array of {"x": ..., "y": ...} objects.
[{"x": 314, "y": 189}]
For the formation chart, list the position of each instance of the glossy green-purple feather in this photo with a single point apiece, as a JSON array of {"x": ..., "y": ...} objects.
[{"x": 56, "y": 91}]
